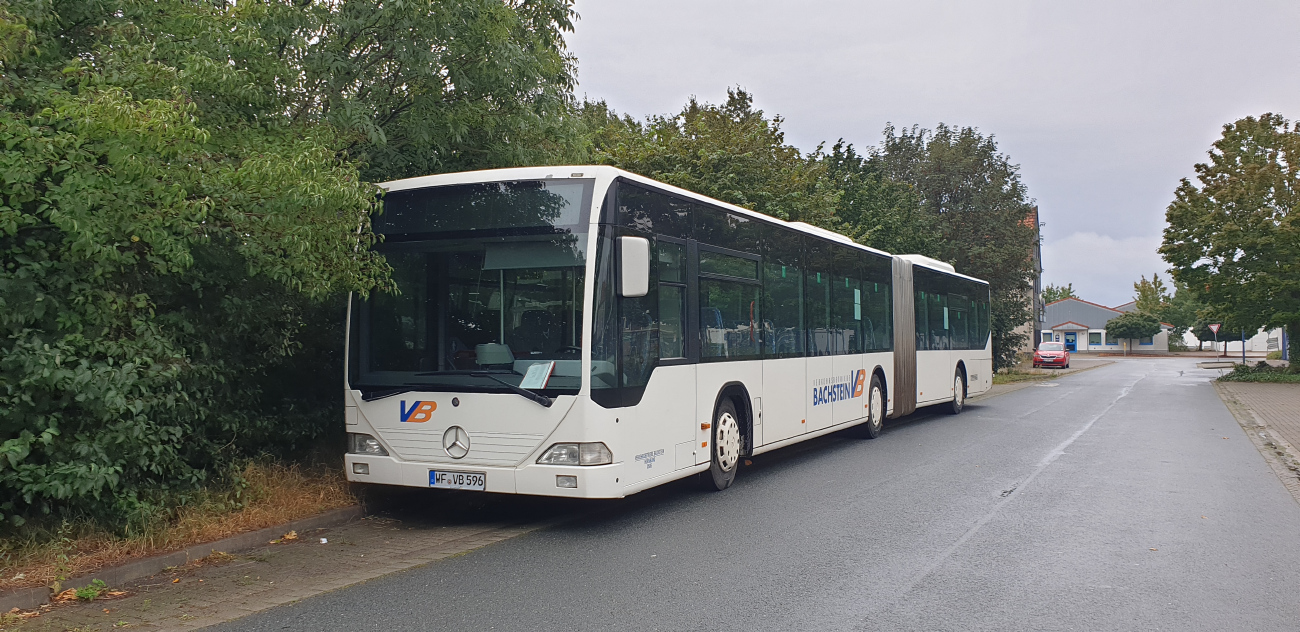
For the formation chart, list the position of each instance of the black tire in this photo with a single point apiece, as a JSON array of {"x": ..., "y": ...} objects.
[
  {"x": 875, "y": 410},
  {"x": 959, "y": 393},
  {"x": 724, "y": 447}
]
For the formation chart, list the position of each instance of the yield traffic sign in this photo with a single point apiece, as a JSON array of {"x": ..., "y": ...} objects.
[{"x": 1215, "y": 327}]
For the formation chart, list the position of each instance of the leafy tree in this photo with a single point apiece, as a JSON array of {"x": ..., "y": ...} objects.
[
  {"x": 1054, "y": 293},
  {"x": 1151, "y": 297},
  {"x": 983, "y": 215},
  {"x": 875, "y": 210},
  {"x": 184, "y": 203},
  {"x": 1182, "y": 310},
  {"x": 1234, "y": 235},
  {"x": 731, "y": 152},
  {"x": 1132, "y": 326}
]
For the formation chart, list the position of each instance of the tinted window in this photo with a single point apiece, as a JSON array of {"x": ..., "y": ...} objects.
[
  {"x": 878, "y": 313},
  {"x": 726, "y": 230},
  {"x": 728, "y": 265},
  {"x": 729, "y": 320},
  {"x": 846, "y": 302},
  {"x": 488, "y": 206},
  {"x": 951, "y": 312},
  {"x": 671, "y": 262},
  {"x": 648, "y": 211},
  {"x": 817, "y": 276},
  {"x": 783, "y": 302}
]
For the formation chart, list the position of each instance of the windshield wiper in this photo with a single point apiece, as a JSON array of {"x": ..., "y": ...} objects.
[
  {"x": 373, "y": 395},
  {"x": 536, "y": 397}
]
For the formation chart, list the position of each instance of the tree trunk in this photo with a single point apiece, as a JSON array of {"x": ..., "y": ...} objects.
[{"x": 1293, "y": 344}]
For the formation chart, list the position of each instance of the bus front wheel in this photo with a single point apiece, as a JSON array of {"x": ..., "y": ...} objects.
[{"x": 726, "y": 446}]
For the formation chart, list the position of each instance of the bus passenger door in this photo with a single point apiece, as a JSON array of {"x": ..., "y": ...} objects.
[
  {"x": 821, "y": 338},
  {"x": 784, "y": 399},
  {"x": 821, "y": 381},
  {"x": 849, "y": 389}
]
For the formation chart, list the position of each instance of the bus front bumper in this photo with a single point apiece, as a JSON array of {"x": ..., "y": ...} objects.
[{"x": 593, "y": 481}]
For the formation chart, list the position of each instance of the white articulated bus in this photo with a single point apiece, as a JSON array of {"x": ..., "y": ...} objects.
[{"x": 587, "y": 332}]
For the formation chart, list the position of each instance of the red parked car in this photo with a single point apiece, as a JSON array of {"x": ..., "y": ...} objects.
[{"x": 1052, "y": 354}]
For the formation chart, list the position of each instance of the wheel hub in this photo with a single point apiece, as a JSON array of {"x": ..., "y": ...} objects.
[
  {"x": 727, "y": 442},
  {"x": 877, "y": 408}
]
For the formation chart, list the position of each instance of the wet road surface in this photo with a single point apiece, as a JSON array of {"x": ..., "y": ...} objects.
[{"x": 1122, "y": 498}]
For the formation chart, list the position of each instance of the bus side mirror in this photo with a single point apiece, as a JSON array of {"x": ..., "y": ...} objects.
[{"x": 634, "y": 266}]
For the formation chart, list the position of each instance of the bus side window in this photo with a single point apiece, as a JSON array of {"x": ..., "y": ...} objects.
[
  {"x": 783, "y": 325},
  {"x": 922, "y": 311},
  {"x": 818, "y": 297},
  {"x": 878, "y": 330},
  {"x": 670, "y": 258}
]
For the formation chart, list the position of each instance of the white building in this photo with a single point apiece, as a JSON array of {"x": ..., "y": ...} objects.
[{"x": 1081, "y": 325}]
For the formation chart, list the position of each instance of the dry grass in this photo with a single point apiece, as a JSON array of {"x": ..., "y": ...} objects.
[
  {"x": 1011, "y": 376},
  {"x": 275, "y": 494}
]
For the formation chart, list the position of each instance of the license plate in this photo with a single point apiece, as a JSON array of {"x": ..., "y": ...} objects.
[{"x": 457, "y": 480}]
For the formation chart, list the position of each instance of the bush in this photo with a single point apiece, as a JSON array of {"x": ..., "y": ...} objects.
[
  {"x": 183, "y": 212},
  {"x": 1261, "y": 372},
  {"x": 1275, "y": 355}
]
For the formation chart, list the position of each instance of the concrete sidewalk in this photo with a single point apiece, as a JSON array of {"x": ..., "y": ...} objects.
[{"x": 1270, "y": 414}]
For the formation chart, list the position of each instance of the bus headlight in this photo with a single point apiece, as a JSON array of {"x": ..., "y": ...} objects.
[
  {"x": 577, "y": 454},
  {"x": 365, "y": 444}
]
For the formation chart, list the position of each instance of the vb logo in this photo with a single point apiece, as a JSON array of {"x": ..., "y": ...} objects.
[
  {"x": 419, "y": 412},
  {"x": 859, "y": 381}
]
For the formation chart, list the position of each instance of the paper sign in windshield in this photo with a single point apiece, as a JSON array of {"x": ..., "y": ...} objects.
[{"x": 538, "y": 375}]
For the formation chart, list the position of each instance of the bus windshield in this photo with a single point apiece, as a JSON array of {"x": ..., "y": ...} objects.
[{"x": 489, "y": 281}]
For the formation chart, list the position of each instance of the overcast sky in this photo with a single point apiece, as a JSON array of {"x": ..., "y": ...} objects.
[{"x": 1104, "y": 105}]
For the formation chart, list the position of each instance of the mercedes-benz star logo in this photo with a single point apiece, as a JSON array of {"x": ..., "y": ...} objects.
[{"x": 456, "y": 442}]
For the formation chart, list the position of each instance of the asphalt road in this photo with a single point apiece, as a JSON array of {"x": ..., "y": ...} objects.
[{"x": 1123, "y": 498}]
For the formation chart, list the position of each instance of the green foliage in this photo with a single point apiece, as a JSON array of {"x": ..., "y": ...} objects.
[
  {"x": 1261, "y": 372},
  {"x": 185, "y": 204},
  {"x": 983, "y": 214},
  {"x": 875, "y": 210},
  {"x": 1054, "y": 293},
  {"x": 1132, "y": 326},
  {"x": 1182, "y": 311},
  {"x": 729, "y": 152},
  {"x": 1235, "y": 236},
  {"x": 1151, "y": 297},
  {"x": 92, "y": 591}
]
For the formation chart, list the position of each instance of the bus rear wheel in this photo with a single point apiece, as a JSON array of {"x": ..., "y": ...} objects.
[
  {"x": 875, "y": 410},
  {"x": 959, "y": 393},
  {"x": 725, "y": 451}
]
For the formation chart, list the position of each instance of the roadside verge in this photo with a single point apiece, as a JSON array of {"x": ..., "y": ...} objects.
[{"x": 29, "y": 598}]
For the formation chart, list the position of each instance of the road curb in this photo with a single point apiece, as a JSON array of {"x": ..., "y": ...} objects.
[{"x": 29, "y": 598}]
